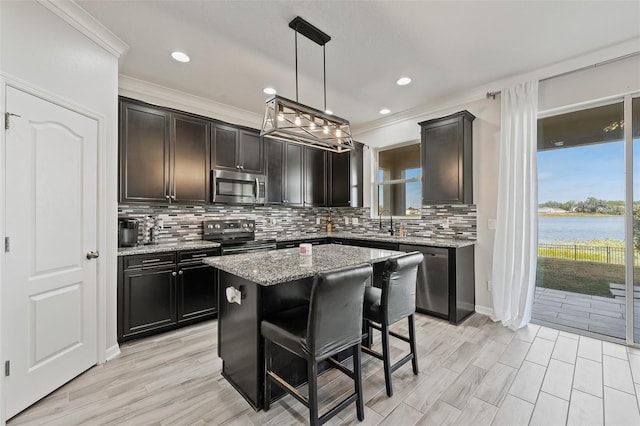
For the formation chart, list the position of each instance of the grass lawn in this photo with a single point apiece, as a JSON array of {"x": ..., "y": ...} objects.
[{"x": 591, "y": 278}]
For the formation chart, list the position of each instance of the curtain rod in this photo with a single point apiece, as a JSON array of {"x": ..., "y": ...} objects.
[{"x": 495, "y": 93}]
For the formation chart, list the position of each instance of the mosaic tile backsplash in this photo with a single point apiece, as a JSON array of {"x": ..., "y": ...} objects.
[{"x": 184, "y": 223}]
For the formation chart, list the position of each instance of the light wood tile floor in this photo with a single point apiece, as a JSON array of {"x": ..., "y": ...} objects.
[{"x": 478, "y": 373}]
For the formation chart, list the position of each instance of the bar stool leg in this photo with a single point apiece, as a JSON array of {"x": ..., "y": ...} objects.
[
  {"x": 386, "y": 359},
  {"x": 267, "y": 379},
  {"x": 312, "y": 380},
  {"x": 357, "y": 378},
  {"x": 412, "y": 343}
]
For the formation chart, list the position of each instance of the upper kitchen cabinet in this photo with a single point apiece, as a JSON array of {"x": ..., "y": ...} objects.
[
  {"x": 236, "y": 149},
  {"x": 163, "y": 156},
  {"x": 284, "y": 172},
  {"x": 144, "y": 154},
  {"x": 446, "y": 152},
  {"x": 315, "y": 177},
  {"x": 345, "y": 177}
]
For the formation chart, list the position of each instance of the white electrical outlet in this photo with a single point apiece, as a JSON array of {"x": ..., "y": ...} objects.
[
  {"x": 491, "y": 224},
  {"x": 445, "y": 223},
  {"x": 317, "y": 221},
  {"x": 354, "y": 220},
  {"x": 273, "y": 221},
  {"x": 489, "y": 285},
  {"x": 346, "y": 220}
]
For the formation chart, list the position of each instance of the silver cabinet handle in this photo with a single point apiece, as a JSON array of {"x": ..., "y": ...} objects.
[
  {"x": 173, "y": 274},
  {"x": 180, "y": 273},
  {"x": 173, "y": 197},
  {"x": 93, "y": 255},
  {"x": 167, "y": 197}
]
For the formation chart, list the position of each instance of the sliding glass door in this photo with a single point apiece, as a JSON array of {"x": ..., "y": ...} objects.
[
  {"x": 581, "y": 224},
  {"x": 633, "y": 293}
]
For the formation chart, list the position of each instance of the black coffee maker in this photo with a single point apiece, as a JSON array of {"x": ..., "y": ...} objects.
[{"x": 127, "y": 232}]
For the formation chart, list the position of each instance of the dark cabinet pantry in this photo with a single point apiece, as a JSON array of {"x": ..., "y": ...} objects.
[
  {"x": 236, "y": 149},
  {"x": 284, "y": 162},
  {"x": 446, "y": 150},
  {"x": 315, "y": 177}
]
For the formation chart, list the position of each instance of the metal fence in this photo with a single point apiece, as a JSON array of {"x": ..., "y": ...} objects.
[{"x": 602, "y": 254}]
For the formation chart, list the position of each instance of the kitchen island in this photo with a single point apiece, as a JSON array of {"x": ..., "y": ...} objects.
[{"x": 263, "y": 283}]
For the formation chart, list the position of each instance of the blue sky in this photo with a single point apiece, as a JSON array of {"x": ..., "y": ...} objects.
[{"x": 586, "y": 171}]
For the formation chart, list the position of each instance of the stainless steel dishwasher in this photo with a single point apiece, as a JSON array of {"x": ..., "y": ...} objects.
[{"x": 432, "y": 286}]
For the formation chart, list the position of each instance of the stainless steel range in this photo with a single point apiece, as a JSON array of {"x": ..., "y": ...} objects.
[{"x": 235, "y": 236}]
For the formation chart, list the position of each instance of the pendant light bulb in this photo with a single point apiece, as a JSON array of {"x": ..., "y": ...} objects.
[
  {"x": 297, "y": 120},
  {"x": 325, "y": 128},
  {"x": 338, "y": 132}
]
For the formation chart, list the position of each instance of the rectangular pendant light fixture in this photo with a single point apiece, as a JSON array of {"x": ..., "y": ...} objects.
[{"x": 292, "y": 121}]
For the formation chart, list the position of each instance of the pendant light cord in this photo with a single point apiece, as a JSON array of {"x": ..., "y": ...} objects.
[
  {"x": 324, "y": 66},
  {"x": 296, "y": 43}
]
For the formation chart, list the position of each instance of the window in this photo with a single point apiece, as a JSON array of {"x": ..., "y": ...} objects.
[{"x": 398, "y": 181}]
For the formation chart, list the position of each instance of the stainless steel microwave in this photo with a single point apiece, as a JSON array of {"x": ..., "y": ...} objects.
[{"x": 237, "y": 188}]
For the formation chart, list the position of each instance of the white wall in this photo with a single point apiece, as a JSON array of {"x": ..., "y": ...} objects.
[{"x": 41, "y": 50}]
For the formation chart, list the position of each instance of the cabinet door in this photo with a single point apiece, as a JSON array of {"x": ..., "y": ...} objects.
[
  {"x": 148, "y": 300},
  {"x": 315, "y": 177},
  {"x": 442, "y": 163},
  {"x": 251, "y": 152},
  {"x": 197, "y": 291},
  {"x": 225, "y": 154},
  {"x": 190, "y": 164},
  {"x": 274, "y": 155},
  {"x": 432, "y": 286},
  {"x": 340, "y": 181},
  {"x": 144, "y": 154},
  {"x": 357, "y": 175},
  {"x": 293, "y": 174}
]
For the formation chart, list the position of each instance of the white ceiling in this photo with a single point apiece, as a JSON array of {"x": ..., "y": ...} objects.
[{"x": 447, "y": 47}]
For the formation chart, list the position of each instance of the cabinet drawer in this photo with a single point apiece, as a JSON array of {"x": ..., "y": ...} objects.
[
  {"x": 149, "y": 260},
  {"x": 193, "y": 255}
]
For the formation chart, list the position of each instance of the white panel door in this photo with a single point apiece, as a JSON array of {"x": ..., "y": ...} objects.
[{"x": 51, "y": 204}]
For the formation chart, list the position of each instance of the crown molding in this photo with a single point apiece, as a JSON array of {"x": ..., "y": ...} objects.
[
  {"x": 81, "y": 20},
  {"x": 597, "y": 58},
  {"x": 163, "y": 96}
]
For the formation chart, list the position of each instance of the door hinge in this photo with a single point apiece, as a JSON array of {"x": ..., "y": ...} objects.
[
  {"x": 7, "y": 368},
  {"x": 7, "y": 119},
  {"x": 6, "y": 245}
]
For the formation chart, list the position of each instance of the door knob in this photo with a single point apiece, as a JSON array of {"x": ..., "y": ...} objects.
[{"x": 93, "y": 255}]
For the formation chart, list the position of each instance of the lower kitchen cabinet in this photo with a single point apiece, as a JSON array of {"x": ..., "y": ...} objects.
[
  {"x": 162, "y": 291},
  {"x": 446, "y": 284}
]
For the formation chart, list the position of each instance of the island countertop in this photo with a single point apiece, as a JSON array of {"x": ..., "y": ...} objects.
[{"x": 278, "y": 266}]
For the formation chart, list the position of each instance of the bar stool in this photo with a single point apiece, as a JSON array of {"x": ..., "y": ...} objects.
[
  {"x": 393, "y": 302},
  {"x": 331, "y": 323}
]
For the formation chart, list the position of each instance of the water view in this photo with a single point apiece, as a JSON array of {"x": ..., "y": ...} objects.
[{"x": 580, "y": 228}]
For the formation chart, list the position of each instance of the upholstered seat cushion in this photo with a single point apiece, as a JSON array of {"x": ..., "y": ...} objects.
[
  {"x": 289, "y": 330},
  {"x": 372, "y": 304}
]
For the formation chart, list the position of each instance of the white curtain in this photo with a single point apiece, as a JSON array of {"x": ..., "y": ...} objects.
[{"x": 516, "y": 237}]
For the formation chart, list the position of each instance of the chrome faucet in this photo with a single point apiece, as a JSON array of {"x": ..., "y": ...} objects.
[{"x": 390, "y": 221}]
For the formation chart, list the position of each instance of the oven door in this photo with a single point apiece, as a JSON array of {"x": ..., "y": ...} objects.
[
  {"x": 250, "y": 248},
  {"x": 237, "y": 188}
]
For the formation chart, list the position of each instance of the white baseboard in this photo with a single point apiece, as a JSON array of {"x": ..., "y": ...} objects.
[
  {"x": 112, "y": 352},
  {"x": 484, "y": 310}
]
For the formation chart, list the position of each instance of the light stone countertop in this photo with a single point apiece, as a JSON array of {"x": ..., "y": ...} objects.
[
  {"x": 382, "y": 237},
  {"x": 158, "y": 248},
  {"x": 278, "y": 266}
]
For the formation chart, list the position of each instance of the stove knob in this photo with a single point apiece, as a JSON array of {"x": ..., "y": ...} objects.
[
  {"x": 244, "y": 225},
  {"x": 217, "y": 225},
  {"x": 209, "y": 226},
  {"x": 251, "y": 225}
]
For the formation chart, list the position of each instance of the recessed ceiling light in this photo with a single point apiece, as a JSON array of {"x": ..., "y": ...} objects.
[
  {"x": 269, "y": 91},
  {"x": 180, "y": 56},
  {"x": 328, "y": 111},
  {"x": 384, "y": 111},
  {"x": 403, "y": 81}
]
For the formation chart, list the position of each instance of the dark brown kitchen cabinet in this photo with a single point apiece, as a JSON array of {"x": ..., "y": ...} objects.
[
  {"x": 339, "y": 185},
  {"x": 162, "y": 291},
  {"x": 284, "y": 172},
  {"x": 144, "y": 154},
  {"x": 315, "y": 177},
  {"x": 164, "y": 156},
  {"x": 446, "y": 150},
  {"x": 357, "y": 175},
  {"x": 236, "y": 149}
]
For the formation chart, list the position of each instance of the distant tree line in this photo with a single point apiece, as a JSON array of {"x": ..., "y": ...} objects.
[{"x": 590, "y": 205}]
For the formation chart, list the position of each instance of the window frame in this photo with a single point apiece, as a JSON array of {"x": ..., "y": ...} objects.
[{"x": 375, "y": 202}]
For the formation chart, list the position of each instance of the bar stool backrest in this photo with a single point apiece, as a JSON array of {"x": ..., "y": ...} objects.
[
  {"x": 399, "y": 286},
  {"x": 335, "y": 311}
]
